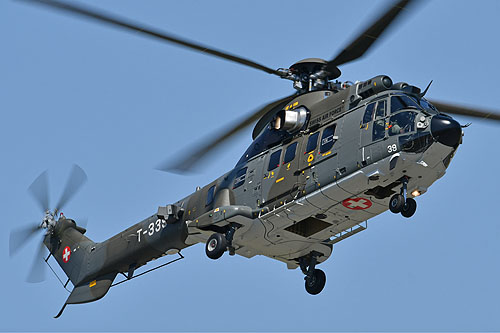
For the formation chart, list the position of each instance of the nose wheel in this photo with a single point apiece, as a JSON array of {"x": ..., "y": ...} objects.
[
  {"x": 399, "y": 203},
  {"x": 315, "y": 279},
  {"x": 396, "y": 204},
  {"x": 315, "y": 283},
  {"x": 409, "y": 208}
]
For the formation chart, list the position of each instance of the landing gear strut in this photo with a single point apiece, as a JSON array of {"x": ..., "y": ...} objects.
[
  {"x": 399, "y": 203},
  {"x": 315, "y": 279},
  {"x": 229, "y": 239}
]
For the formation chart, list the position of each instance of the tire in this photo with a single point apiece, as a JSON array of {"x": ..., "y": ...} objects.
[
  {"x": 396, "y": 203},
  {"x": 409, "y": 208},
  {"x": 216, "y": 246},
  {"x": 316, "y": 284}
]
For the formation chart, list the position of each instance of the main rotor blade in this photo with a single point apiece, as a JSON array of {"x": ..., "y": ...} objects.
[
  {"x": 466, "y": 111},
  {"x": 37, "y": 271},
  {"x": 75, "y": 182},
  {"x": 204, "y": 147},
  {"x": 39, "y": 189},
  {"x": 126, "y": 24},
  {"x": 366, "y": 39},
  {"x": 20, "y": 236}
]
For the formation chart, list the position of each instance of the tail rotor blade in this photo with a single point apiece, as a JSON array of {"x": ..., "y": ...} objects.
[
  {"x": 37, "y": 271},
  {"x": 75, "y": 182},
  {"x": 39, "y": 189},
  {"x": 19, "y": 237}
]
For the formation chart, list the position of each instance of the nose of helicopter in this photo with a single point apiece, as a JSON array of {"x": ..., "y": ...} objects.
[{"x": 446, "y": 130}]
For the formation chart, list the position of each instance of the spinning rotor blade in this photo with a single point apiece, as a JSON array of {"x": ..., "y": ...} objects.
[
  {"x": 19, "y": 237},
  {"x": 151, "y": 32},
  {"x": 75, "y": 182},
  {"x": 368, "y": 37},
  {"x": 39, "y": 189},
  {"x": 37, "y": 271},
  {"x": 466, "y": 111},
  {"x": 82, "y": 221},
  {"x": 208, "y": 145}
]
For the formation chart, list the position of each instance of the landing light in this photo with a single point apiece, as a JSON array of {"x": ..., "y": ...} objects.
[{"x": 416, "y": 193}]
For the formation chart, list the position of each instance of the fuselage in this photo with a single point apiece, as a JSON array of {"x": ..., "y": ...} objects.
[{"x": 312, "y": 187}]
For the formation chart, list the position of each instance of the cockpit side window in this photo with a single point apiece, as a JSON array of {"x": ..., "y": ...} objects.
[
  {"x": 400, "y": 102},
  {"x": 378, "y": 129},
  {"x": 427, "y": 106},
  {"x": 402, "y": 122},
  {"x": 368, "y": 113},
  {"x": 381, "y": 107}
]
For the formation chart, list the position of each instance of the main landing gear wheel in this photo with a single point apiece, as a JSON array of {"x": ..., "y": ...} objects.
[
  {"x": 316, "y": 282},
  {"x": 216, "y": 246},
  {"x": 409, "y": 207},
  {"x": 397, "y": 203}
]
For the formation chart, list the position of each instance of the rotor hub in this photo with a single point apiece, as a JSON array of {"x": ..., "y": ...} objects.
[
  {"x": 310, "y": 74},
  {"x": 49, "y": 220},
  {"x": 315, "y": 67}
]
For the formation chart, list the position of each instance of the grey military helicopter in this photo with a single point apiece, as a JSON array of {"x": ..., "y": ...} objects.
[{"x": 323, "y": 161}]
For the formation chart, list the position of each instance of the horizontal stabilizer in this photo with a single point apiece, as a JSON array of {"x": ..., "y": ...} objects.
[{"x": 90, "y": 291}]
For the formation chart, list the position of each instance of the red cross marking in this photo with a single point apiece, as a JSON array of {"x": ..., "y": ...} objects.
[
  {"x": 357, "y": 203},
  {"x": 66, "y": 254}
]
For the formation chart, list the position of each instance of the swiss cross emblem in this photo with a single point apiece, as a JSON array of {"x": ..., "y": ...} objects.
[
  {"x": 357, "y": 203},
  {"x": 66, "y": 254}
]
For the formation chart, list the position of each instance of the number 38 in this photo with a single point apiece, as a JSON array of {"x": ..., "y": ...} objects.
[{"x": 392, "y": 148}]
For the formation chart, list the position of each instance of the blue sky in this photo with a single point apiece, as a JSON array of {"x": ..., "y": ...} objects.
[{"x": 118, "y": 104}]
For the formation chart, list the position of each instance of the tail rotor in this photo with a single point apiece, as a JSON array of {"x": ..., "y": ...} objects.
[{"x": 39, "y": 190}]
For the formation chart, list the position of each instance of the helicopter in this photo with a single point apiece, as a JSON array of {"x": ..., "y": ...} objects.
[{"x": 324, "y": 160}]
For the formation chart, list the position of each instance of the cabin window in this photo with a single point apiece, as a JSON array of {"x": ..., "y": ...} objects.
[
  {"x": 327, "y": 139},
  {"x": 274, "y": 160},
  {"x": 381, "y": 106},
  {"x": 240, "y": 178},
  {"x": 290, "y": 153},
  {"x": 369, "y": 113},
  {"x": 312, "y": 143},
  {"x": 210, "y": 196}
]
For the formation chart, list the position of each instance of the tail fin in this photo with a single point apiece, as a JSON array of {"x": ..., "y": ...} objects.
[{"x": 71, "y": 249}]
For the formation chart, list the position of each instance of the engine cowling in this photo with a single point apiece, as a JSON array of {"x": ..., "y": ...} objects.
[
  {"x": 374, "y": 85},
  {"x": 291, "y": 120}
]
